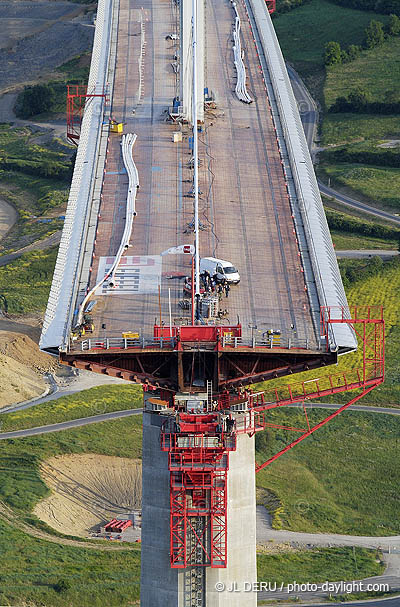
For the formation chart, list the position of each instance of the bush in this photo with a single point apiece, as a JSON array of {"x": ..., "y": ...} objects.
[
  {"x": 374, "y": 34},
  {"x": 333, "y": 53},
  {"x": 34, "y": 100}
]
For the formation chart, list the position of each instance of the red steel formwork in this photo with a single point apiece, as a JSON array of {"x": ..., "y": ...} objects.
[
  {"x": 271, "y": 5},
  {"x": 77, "y": 96},
  {"x": 198, "y": 445},
  {"x": 198, "y": 460}
]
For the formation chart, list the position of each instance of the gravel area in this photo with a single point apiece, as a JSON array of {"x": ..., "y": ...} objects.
[{"x": 43, "y": 52}]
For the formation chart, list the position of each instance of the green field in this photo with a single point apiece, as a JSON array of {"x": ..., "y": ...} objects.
[
  {"x": 59, "y": 575},
  {"x": 35, "y": 180},
  {"x": 312, "y": 565},
  {"x": 338, "y": 129},
  {"x": 25, "y": 282},
  {"x": 346, "y": 242},
  {"x": 343, "y": 479},
  {"x": 95, "y": 401},
  {"x": 377, "y": 71},
  {"x": 304, "y": 31},
  {"x": 378, "y": 186}
]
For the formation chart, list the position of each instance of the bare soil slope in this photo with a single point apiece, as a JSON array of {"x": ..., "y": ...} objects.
[
  {"x": 22, "y": 365},
  {"x": 88, "y": 490}
]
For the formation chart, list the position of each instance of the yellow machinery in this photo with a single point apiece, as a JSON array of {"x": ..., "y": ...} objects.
[{"x": 116, "y": 127}]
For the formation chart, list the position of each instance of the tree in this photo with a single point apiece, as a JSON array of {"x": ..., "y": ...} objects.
[
  {"x": 394, "y": 25},
  {"x": 374, "y": 34},
  {"x": 333, "y": 53},
  {"x": 353, "y": 52},
  {"x": 358, "y": 99},
  {"x": 34, "y": 100}
]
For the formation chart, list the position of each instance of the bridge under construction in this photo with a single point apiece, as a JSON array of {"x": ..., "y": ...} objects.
[{"x": 192, "y": 161}]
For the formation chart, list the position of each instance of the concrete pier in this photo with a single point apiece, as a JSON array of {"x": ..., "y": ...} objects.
[{"x": 162, "y": 586}]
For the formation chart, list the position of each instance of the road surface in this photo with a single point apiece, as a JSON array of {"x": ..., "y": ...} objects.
[{"x": 366, "y": 253}]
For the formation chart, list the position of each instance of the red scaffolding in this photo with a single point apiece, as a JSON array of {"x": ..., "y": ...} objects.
[
  {"x": 271, "y": 5},
  {"x": 198, "y": 445},
  {"x": 77, "y": 97}
]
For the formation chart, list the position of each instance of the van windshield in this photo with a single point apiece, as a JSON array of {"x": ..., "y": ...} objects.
[{"x": 230, "y": 270}]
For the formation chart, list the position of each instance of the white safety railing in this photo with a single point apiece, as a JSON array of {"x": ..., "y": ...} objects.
[
  {"x": 121, "y": 343},
  {"x": 127, "y": 143},
  {"x": 241, "y": 90}
]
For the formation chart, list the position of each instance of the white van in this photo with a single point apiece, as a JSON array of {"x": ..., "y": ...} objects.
[{"x": 223, "y": 270}]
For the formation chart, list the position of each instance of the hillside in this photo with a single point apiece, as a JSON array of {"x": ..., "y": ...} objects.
[{"x": 21, "y": 368}]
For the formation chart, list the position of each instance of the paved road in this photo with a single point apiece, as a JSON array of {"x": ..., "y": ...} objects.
[
  {"x": 309, "y": 117},
  {"x": 362, "y": 253},
  {"x": 74, "y": 423},
  {"x": 84, "y": 380},
  {"x": 45, "y": 243}
]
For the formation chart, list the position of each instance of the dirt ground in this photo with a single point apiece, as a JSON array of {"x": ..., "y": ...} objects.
[
  {"x": 37, "y": 37},
  {"x": 21, "y": 368},
  {"x": 88, "y": 490}
]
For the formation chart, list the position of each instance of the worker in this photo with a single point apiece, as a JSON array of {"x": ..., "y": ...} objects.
[{"x": 227, "y": 288}]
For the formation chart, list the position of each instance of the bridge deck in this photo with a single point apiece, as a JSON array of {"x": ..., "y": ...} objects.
[{"x": 244, "y": 208}]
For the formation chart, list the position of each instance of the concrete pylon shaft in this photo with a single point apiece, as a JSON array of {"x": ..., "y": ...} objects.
[
  {"x": 162, "y": 586},
  {"x": 186, "y": 71}
]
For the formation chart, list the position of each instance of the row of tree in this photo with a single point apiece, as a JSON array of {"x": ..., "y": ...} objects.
[
  {"x": 284, "y": 6},
  {"x": 346, "y": 223},
  {"x": 375, "y": 35},
  {"x": 385, "y": 7},
  {"x": 359, "y": 102}
]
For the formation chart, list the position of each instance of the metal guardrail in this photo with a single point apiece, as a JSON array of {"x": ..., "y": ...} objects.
[{"x": 170, "y": 343}]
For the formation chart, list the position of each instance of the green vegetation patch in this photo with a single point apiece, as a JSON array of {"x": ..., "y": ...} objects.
[
  {"x": 346, "y": 242},
  {"x": 342, "y": 479},
  {"x": 350, "y": 232},
  {"x": 35, "y": 180},
  {"x": 96, "y": 401},
  {"x": 376, "y": 71},
  {"x": 60, "y": 575},
  {"x": 338, "y": 129},
  {"x": 25, "y": 283},
  {"x": 379, "y": 186},
  {"x": 303, "y": 33},
  {"x": 318, "y": 565}
]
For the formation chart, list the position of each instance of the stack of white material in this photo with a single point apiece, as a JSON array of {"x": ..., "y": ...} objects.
[{"x": 241, "y": 91}]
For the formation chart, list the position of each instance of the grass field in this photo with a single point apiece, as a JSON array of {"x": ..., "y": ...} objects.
[
  {"x": 343, "y": 479},
  {"x": 303, "y": 33},
  {"x": 338, "y": 129},
  {"x": 312, "y": 566},
  {"x": 59, "y": 575},
  {"x": 345, "y": 242},
  {"x": 381, "y": 289},
  {"x": 376, "y": 71},
  {"x": 377, "y": 185},
  {"x": 35, "y": 570},
  {"x": 25, "y": 282},
  {"x": 95, "y": 401}
]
